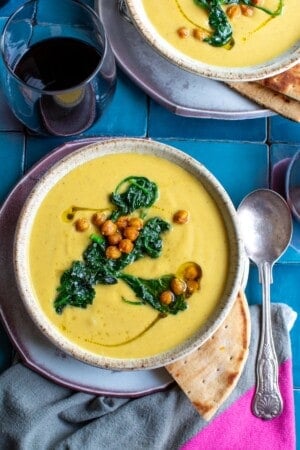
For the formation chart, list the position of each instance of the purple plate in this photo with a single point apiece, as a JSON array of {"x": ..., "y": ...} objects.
[
  {"x": 35, "y": 349},
  {"x": 179, "y": 91},
  {"x": 278, "y": 184}
]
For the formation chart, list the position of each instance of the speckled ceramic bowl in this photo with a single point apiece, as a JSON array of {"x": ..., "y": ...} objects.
[
  {"x": 236, "y": 270},
  {"x": 137, "y": 14}
]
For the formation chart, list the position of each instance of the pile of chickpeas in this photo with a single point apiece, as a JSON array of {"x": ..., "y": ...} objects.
[{"x": 121, "y": 235}]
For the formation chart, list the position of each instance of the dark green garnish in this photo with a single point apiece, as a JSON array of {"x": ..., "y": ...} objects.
[
  {"x": 75, "y": 287},
  {"x": 149, "y": 292},
  {"x": 77, "y": 283},
  {"x": 140, "y": 193},
  {"x": 96, "y": 268},
  {"x": 219, "y": 22}
]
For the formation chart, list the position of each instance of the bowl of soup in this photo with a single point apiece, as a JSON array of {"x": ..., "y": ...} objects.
[
  {"x": 242, "y": 41},
  {"x": 127, "y": 254}
]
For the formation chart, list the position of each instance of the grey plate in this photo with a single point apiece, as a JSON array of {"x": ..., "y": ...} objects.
[{"x": 179, "y": 91}]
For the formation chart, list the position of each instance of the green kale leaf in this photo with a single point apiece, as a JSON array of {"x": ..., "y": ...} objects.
[
  {"x": 149, "y": 292},
  {"x": 140, "y": 193}
]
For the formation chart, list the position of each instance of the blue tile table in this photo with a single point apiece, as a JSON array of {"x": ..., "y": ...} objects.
[{"x": 241, "y": 154}]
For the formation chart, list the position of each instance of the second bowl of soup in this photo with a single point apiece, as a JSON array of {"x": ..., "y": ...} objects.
[{"x": 242, "y": 40}]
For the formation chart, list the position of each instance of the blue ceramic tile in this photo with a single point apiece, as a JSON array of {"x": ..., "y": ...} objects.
[
  {"x": 285, "y": 289},
  {"x": 8, "y": 122},
  {"x": 284, "y": 130},
  {"x": 68, "y": 16},
  {"x": 2, "y": 21},
  {"x": 126, "y": 115},
  {"x": 163, "y": 124},
  {"x": 240, "y": 167},
  {"x": 7, "y": 7},
  {"x": 11, "y": 161},
  {"x": 38, "y": 147}
]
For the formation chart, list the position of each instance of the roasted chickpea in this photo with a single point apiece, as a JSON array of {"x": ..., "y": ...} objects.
[
  {"x": 181, "y": 216},
  {"x": 82, "y": 224},
  {"x": 246, "y": 10},
  {"x": 233, "y": 11},
  {"x": 183, "y": 32},
  {"x": 191, "y": 287},
  {"x": 136, "y": 222},
  {"x": 112, "y": 252},
  {"x": 108, "y": 228},
  {"x": 178, "y": 286},
  {"x": 192, "y": 272},
  {"x": 98, "y": 219},
  {"x": 199, "y": 34},
  {"x": 166, "y": 297},
  {"x": 131, "y": 233},
  {"x": 114, "y": 238},
  {"x": 125, "y": 246},
  {"x": 122, "y": 222}
]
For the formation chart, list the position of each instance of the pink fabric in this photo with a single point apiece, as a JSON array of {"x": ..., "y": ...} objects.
[{"x": 238, "y": 429}]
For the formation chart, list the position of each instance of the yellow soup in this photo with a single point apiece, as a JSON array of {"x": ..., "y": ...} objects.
[
  {"x": 111, "y": 326},
  {"x": 257, "y": 36}
]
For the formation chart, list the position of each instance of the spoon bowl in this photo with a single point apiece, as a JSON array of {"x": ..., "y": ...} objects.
[{"x": 266, "y": 227}]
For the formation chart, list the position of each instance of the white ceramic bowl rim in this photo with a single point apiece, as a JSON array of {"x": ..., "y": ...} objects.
[
  {"x": 248, "y": 73},
  {"x": 96, "y": 150}
]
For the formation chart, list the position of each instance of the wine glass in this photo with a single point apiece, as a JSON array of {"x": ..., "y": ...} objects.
[{"x": 59, "y": 72}]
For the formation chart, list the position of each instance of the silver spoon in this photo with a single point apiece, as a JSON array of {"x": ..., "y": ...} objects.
[{"x": 266, "y": 227}]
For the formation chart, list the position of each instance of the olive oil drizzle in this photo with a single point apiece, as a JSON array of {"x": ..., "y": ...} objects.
[
  {"x": 127, "y": 341},
  {"x": 245, "y": 38},
  {"x": 192, "y": 22}
]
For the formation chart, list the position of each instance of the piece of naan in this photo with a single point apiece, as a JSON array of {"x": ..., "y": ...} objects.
[
  {"x": 208, "y": 375},
  {"x": 287, "y": 83}
]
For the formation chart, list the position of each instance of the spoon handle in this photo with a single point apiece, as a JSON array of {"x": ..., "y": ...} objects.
[{"x": 267, "y": 402}]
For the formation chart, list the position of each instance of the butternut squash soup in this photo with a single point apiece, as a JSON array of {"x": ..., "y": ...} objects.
[
  {"x": 225, "y": 33},
  {"x": 128, "y": 255}
]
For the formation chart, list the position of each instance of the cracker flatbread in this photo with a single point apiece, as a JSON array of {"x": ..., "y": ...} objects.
[
  {"x": 209, "y": 374},
  {"x": 269, "y": 98},
  {"x": 287, "y": 83}
]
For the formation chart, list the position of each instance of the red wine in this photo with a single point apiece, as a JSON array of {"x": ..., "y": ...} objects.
[
  {"x": 73, "y": 87},
  {"x": 57, "y": 63}
]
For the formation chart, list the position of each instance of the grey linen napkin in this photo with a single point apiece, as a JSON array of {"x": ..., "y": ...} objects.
[{"x": 37, "y": 414}]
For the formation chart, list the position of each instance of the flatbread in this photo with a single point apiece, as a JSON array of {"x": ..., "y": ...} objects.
[
  {"x": 209, "y": 374},
  {"x": 287, "y": 83},
  {"x": 280, "y": 103}
]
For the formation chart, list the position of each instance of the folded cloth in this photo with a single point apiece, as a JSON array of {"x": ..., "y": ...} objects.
[{"x": 35, "y": 413}]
